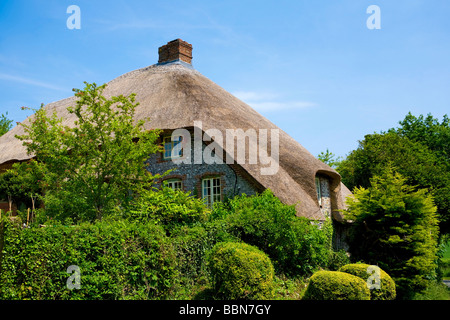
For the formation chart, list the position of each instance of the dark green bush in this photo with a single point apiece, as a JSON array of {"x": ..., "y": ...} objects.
[
  {"x": 387, "y": 285},
  {"x": 338, "y": 259},
  {"x": 241, "y": 271},
  {"x": 193, "y": 242},
  {"x": 335, "y": 285},
  {"x": 294, "y": 244},
  {"x": 117, "y": 260}
]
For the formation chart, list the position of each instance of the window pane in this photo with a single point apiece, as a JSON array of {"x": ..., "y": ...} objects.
[
  {"x": 318, "y": 190},
  {"x": 177, "y": 150},
  {"x": 174, "y": 184},
  {"x": 211, "y": 190},
  {"x": 167, "y": 150},
  {"x": 173, "y": 149}
]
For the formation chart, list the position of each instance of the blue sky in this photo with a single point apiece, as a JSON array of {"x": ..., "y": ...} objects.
[{"x": 311, "y": 67}]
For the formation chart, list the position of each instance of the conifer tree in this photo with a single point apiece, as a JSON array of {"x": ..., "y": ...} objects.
[{"x": 395, "y": 226}]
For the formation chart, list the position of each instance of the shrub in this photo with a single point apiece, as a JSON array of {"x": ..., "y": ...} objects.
[
  {"x": 395, "y": 226},
  {"x": 294, "y": 244},
  {"x": 241, "y": 271},
  {"x": 117, "y": 260},
  {"x": 171, "y": 208},
  {"x": 338, "y": 259},
  {"x": 387, "y": 285},
  {"x": 335, "y": 285}
]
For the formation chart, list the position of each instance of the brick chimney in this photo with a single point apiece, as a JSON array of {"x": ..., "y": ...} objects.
[{"x": 175, "y": 50}]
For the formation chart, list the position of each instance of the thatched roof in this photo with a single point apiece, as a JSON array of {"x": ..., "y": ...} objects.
[{"x": 175, "y": 95}]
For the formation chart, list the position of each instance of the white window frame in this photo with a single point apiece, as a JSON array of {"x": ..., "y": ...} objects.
[
  {"x": 211, "y": 190},
  {"x": 173, "y": 144}
]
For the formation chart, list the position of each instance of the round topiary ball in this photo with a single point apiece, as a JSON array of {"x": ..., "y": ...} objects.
[
  {"x": 386, "y": 289},
  {"x": 335, "y": 285},
  {"x": 241, "y": 271}
]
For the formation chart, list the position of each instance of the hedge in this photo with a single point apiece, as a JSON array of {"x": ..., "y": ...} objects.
[
  {"x": 116, "y": 259},
  {"x": 241, "y": 271},
  {"x": 387, "y": 285},
  {"x": 336, "y": 285}
]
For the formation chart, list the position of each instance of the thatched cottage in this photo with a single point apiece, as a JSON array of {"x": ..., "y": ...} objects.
[{"x": 174, "y": 95}]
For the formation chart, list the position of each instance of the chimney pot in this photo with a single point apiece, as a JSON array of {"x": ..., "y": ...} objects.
[{"x": 175, "y": 50}]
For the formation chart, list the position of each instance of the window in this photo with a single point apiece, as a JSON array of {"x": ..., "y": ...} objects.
[
  {"x": 172, "y": 149},
  {"x": 211, "y": 190},
  {"x": 319, "y": 191},
  {"x": 175, "y": 184}
]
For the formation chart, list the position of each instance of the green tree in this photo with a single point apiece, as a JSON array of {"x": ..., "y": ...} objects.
[
  {"x": 8, "y": 187},
  {"x": 29, "y": 183},
  {"x": 329, "y": 158},
  {"x": 395, "y": 226},
  {"x": 428, "y": 131},
  {"x": 418, "y": 164},
  {"x": 5, "y": 124},
  {"x": 92, "y": 167}
]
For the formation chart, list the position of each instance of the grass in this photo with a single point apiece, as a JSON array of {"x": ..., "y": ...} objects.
[
  {"x": 289, "y": 288},
  {"x": 201, "y": 289},
  {"x": 435, "y": 291},
  {"x": 445, "y": 262},
  {"x": 446, "y": 252}
]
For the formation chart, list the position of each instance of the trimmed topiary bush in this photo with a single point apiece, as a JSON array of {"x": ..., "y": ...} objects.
[
  {"x": 387, "y": 285},
  {"x": 335, "y": 285},
  {"x": 241, "y": 271}
]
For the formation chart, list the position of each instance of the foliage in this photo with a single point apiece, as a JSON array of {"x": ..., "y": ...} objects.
[
  {"x": 192, "y": 243},
  {"x": 98, "y": 161},
  {"x": 444, "y": 266},
  {"x": 329, "y": 158},
  {"x": 428, "y": 131},
  {"x": 387, "y": 285},
  {"x": 395, "y": 227},
  {"x": 338, "y": 259},
  {"x": 418, "y": 150},
  {"x": 26, "y": 184},
  {"x": 117, "y": 260},
  {"x": 434, "y": 291},
  {"x": 5, "y": 124},
  {"x": 111, "y": 253},
  {"x": 169, "y": 207},
  {"x": 294, "y": 244},
  {"x": 335, "y": 285},
  {"x": 241, "y": 271},
  {"x": 8, "y": 188}
]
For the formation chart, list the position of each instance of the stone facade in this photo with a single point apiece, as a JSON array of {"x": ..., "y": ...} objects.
[{"x": 234, "y": 181}]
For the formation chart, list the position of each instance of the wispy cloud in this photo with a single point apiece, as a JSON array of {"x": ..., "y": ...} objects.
[
  {"x": 9, "y": 77},
  {"x": 267, "y": 102}
]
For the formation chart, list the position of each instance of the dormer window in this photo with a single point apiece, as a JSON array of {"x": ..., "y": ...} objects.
[
  {"x": 172, "y": 147},
  {"x": 318, "y": 191}
]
